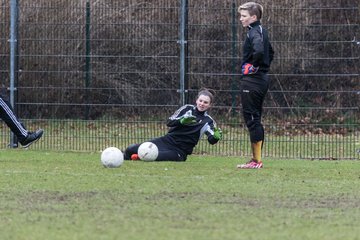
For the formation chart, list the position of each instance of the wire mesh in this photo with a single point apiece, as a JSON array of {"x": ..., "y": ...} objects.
[{"x": 100, "y": 73}]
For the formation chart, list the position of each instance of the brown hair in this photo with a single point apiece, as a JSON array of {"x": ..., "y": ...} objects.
[
  {"x": 207, "y": 92},
  {"x": 253, "y": 8}
]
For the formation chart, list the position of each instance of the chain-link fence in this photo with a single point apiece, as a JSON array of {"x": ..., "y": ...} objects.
[{"x": 100, "y": 73}]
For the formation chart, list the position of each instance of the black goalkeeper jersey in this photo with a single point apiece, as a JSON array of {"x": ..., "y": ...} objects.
[
  {"x": 186, "y": 137},
  {"x": 257, "y": 49}
]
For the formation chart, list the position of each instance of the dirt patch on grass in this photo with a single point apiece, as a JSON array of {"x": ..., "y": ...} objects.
[{"x": 220, "y": 198}]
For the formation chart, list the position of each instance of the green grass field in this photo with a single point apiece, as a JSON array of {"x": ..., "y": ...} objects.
[{"x": 67, "y": 195}]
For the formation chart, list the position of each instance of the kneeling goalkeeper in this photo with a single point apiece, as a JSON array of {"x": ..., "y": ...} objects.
[{"x": 187, "y": 125}]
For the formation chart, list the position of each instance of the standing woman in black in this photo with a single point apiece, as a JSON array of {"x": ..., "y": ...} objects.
[{"x": 257, "y": 57}]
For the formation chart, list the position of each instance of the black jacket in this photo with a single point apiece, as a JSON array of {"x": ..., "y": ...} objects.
[
  {"x": 186, "y": 137},
  {"x": 257, "y": 48}
]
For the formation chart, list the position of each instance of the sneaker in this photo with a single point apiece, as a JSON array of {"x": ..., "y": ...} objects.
[
  {"x": 32, "y": 137},
  {"x": 250, "y": 165},
  {"x": 135, "y": 157}
]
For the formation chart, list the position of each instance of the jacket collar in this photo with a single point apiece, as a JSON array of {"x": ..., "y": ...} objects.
[
  {"x": 197, "y": 112},
  {"x": 254, "y": 24}
]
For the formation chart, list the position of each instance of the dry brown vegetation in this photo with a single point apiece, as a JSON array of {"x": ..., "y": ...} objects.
[{"x": 134, "y": 57}]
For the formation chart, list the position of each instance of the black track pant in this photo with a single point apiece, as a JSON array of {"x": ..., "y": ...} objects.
[
  {"x": 167, "y": 152},
  {"x": 252, "y": 91},
  {"x": 7, "y": 114}
]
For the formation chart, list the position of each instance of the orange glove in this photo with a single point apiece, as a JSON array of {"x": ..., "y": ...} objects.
[{"x": 248, "y": 69}]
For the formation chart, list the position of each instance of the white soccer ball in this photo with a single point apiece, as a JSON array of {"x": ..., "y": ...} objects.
[
  {"x": 112, "y": 157},
  {"x": 148, "y": 151}
]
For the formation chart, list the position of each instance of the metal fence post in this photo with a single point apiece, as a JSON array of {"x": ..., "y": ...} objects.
[
  {"x": 183, "y": 51},
  {"x": 234, "y": 55},
  {"x": 14, "y": 12},
  {"x": 87, "y": 59}
]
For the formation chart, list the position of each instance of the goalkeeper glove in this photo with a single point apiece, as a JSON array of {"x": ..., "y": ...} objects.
[
  {"x": 248, "y": 69},
  {"x": 188, "y": 120},
  {"x": 217, "y": 134}
]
